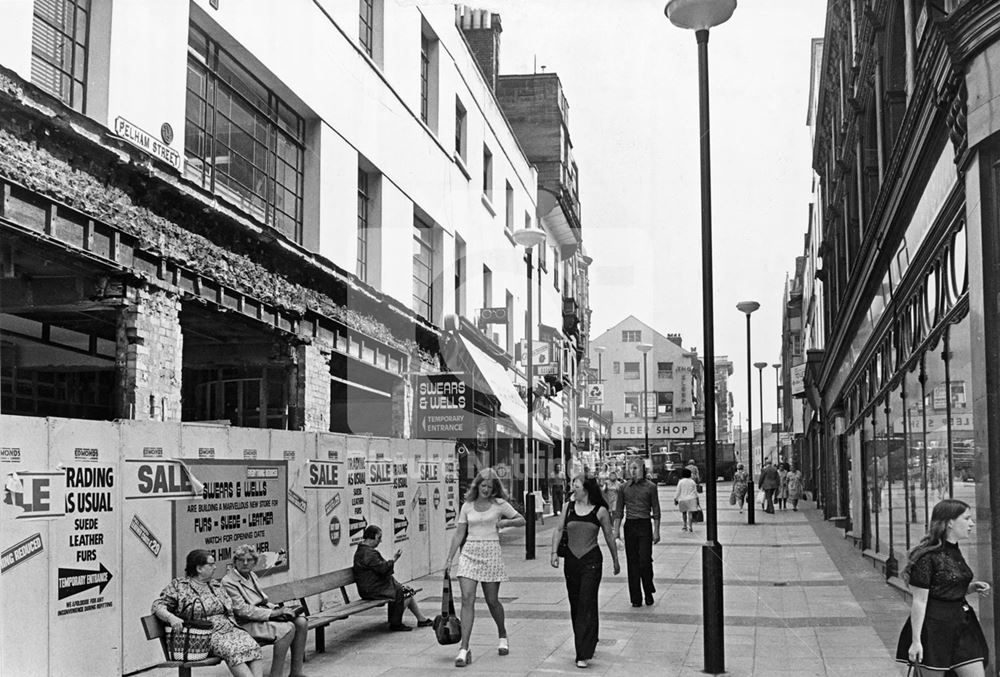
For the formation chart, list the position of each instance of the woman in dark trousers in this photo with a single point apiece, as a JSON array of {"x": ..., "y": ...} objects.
[
  {"x": 583, "y": 518},
  {"x": 942, "y": 632}
]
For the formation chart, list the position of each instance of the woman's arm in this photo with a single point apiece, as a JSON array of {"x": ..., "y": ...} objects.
[
  {"x": 982, "y": 588},
  {"x": 456, "y": 541},
  {"x": 166, "y": 604},
  {"x": 605, "y": 519},
  {"x": 513, "y": 517},
  {"x": 556, "y": 536},
  {"x": 918, "y": 609}
]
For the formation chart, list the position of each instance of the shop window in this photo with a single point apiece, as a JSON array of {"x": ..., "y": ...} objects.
[
  {"x": 936, "y": 421},
  {"x": 896, "y": 470},
  {"x": 665, "y": 403},
  {"x": 633, "y": 405},
  {"x": 665, "y": 370},
  {"x": 918, "y": 510},
  {"x": 59, "y": 43},
  {"x": 241, "y": 141}
]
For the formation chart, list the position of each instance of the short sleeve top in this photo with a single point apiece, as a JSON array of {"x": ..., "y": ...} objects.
[
  {"x": 943, "y": 572},
  {"x": 483, "y": 525}
]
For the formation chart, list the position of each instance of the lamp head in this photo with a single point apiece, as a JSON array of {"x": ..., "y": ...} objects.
[
  {"x": 699, "y": 15},
  {"x": 760, "y": 365},
  {"x": 747, "y": 306},
  {"x": 644, "y": 347},
  {"x": 600, "y": 349},
  {"x": 529, "y": 237},
  {"x": 777, "y": 366}
]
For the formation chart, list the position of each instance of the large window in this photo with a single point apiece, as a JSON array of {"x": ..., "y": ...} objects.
[
  {"x": 364, "y": 208},
  {"x": 633, "y": 405},
  {"x": 664, "y": 370},
  {"x": 59, "y": 49},
  {"x": 665, "y": 403},
  {"x": 241, "y": 141},
  {"x": 423, "y": 269},
  {"x": 631, "y": 371}
]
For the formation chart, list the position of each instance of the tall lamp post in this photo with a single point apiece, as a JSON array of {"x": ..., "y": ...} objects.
[
  {"x": 600, "y": 407},
  {"x": 644, "y": 348},
  {"x": 760, "y": 381},
  {"x": 779, "y": 416},
  {"x": 747, "y": 308},
  {"x": 528, "y": 238},
  {"x": 700, "y": 16}
]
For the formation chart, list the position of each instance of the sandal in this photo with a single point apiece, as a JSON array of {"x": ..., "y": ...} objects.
[
  {"x": 464, "y": 658},
  {"x": 504, "y": 647}
]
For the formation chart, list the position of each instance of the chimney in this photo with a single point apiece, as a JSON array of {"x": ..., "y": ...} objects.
[
  {"x": 675, "y": 339},
  {"x": 482, "y": 31}
]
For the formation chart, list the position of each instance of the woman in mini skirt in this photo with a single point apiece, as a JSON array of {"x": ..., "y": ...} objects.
[
  {"x": 951, "y": 636},
  {"x": 482, "y": 561}
]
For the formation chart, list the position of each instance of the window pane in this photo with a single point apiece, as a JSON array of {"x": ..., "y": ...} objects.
[{"x": 935, "y": 406}]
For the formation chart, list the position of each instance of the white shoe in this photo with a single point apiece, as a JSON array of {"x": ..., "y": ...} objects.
[
  {"x": 464, "y": 658},
  {"x": 503, "y": 648}
]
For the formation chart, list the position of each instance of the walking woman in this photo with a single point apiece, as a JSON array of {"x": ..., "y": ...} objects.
[
  {"x": 781, "y": 496},
  {"x": 484, "y": 512},
  {"x": 584, "y": 517},
  {"x": 942, "y": 632},
  {"x": 741, "y": 481},
  {"x": 686, "y": 499},
  {"x": 793, "y": 480}
]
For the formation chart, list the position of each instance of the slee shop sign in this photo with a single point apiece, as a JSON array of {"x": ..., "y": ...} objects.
[{"x": 678, "y": 430}]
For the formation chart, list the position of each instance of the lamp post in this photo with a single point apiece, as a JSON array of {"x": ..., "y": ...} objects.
[
  {"x": 700, "y": 16},
  {"x": 747, "y": 308},
  {"x": 528, "y": 238},
  {"x": 760, "y": 382},
  {"x": 779, "y": 415},
  {"x": 644, "y": 348}
]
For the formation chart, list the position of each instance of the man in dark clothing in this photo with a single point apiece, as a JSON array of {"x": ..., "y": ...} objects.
[
  {"x": 638, "y": 504},
  {"x": 373, "y": 575},
  {"x": 769, "y": 483}
]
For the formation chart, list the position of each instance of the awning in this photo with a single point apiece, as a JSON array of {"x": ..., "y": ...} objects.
[{"x": 500, "y": 386}]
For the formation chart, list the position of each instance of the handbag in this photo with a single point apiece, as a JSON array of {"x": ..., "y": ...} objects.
[
  {"x": 697, "y": 515},
  {"x": 699, "y": 487},
  {"x": 761, "y": 496},
  {"x": 732, "y": 498},
  {"x": 913, "y": 670},
  {"x": 563, "y": 549},
  {"x": 447, "y": 626},
  {"x": 193, "y": 641}
]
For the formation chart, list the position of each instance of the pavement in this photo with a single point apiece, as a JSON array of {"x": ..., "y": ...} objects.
[{"x": 798, "y": 598}]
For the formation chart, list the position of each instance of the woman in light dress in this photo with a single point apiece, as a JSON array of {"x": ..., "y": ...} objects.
[
  {"x": 686, "y": 498},
  {"x": 484, "y": 512}
]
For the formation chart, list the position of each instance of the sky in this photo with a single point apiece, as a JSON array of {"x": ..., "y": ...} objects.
[{"x": 631, "y": 80}]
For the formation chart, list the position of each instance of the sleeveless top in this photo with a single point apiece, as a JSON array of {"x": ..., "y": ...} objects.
[{"x": 581, "y": 530}]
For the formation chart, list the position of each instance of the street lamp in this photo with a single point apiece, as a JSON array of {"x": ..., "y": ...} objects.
[
  {"x": 778, "y": 413},
  {"x": 760, "y": 381},
  {"x": 700, "y": 16},
  {"x": 600, "y": 370},
  {"x": 747, "y": 308},
  {"x": 528, "y": 238},
  {"x": 644, "y": 348}
]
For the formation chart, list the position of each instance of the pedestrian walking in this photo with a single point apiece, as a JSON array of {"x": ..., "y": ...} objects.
[
  {"x": 639, "y": 511},
  {"x": 782, "y": 493},
  {"x": 584, "y": 517},
  {"x": 557, "y": 488},
  {"x": 741, "y": 483},
  {"x": 769, "y": 482},
  {"x": 695, "y": 473},
  {"x": 942, "y": 632},
  {"x": 484, "y": 512},
  {"x": 686, "y": 499},
  {"x": 612, "y": 491},
  {"x": 796, "y": 486}
]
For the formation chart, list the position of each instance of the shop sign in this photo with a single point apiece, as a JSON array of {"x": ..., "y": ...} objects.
[
  {"x": 441, "y": 407},
  {"x": 678, "y": 430},
  {"x": 798, "y": 376}
]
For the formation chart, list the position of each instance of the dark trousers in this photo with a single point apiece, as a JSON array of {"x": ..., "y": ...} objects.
[
  {"x": 397, "y": 606},
  {"x": 639, "y": 556},
  {"x": 557, "y": 498},
  {"x": 769, "y": 500},
  {"x": 583, "y": 578}
]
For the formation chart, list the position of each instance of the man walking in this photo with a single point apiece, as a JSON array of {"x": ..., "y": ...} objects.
[
  {"x": 769, "y": 482},
  {"x": 639, "y": 503}
]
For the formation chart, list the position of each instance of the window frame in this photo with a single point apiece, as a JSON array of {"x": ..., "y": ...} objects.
[
  {"x": 627, "y": 372},
  {"x": 76, "y": 97},
  {"x": 364, "y": 211},
  {"x": 424, "y": 241}
]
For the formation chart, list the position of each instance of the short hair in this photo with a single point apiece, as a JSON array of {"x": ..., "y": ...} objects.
[
  {"x": 685, "y": 472},
  {"x": 371, "y": 531},
  {"x": 246, "y": 550},
  {"x": 195, "y": 559}
]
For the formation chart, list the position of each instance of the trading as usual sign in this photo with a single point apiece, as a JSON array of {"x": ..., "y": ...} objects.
[{"x": 678, "y": 430}]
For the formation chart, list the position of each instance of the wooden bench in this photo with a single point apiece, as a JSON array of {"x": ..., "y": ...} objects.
[
  {"x": 301, "y": 589},
  {"x": 156, "y": 629}
]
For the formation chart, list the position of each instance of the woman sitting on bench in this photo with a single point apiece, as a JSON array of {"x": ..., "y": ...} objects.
[
  {"x": 198, "y": 596},
  {"x": 243, "y": 587}
]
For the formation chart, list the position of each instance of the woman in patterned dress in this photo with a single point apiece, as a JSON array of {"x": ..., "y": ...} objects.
[
  {"x": 484, "y": 512},
  {"x": 795, "y": 489},
  {"x": 741, "y": 481},
  {"x": 198, "y": 596},
  {"x": 942, "y": 632}
]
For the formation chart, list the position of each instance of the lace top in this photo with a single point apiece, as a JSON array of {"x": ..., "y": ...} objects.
[{"x": 943, "y": 572}]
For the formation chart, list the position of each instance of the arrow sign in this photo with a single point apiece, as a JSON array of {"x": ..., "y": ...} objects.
[
  {"x": 400, "y": 525},
  {"x": 75, "y": 581},
  {"x": 450, "y": 515},
  {"x": 356, "y": 524}
]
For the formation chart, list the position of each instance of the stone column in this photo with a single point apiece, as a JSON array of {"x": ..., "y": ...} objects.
[{"x": 149, "y": 356}]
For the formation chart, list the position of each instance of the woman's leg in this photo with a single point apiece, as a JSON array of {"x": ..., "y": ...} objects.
[
  {"x": 468, "y": 613},
  {"x": 301, "y": 634},
  {"x": 243, "y": 669},
  {"x": 586, "y": 627},
  {"x": 976, "y": 669},
  {"x": 280, "y": 650},
  {"x": 491, "y": 591}
]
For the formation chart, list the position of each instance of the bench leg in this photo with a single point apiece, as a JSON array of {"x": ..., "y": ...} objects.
[
  {"x": 184, "y": 672},
  {"x": 320, "y": 640}
]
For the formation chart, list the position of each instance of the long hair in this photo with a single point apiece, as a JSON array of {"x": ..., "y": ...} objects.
[
  {"x": 485, "y": 475},
  {"x": 944, "y": 512},
  {"x": 593, "y": 489}
]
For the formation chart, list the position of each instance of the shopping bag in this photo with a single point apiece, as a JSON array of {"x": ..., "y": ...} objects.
[
  {"x": 447, "y": 626},
  {"x": 193, "y": 641},
  {"x": 697, "y": 515},
  {"x": 761, "y": 496}
]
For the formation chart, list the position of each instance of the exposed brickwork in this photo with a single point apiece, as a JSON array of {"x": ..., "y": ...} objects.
[
  {"x": 149, "y": 356},
  {"x": 402, "y": 408},
  {"x": 312, "y": 387}
]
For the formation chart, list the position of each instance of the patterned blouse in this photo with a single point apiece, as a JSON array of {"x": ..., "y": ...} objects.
[
  {"x": 191, "y": 600},
  {"x": 943, "y": 572}
]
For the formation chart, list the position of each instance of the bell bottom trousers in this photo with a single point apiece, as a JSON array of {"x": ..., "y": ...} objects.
[
  {"x": 639, "y": 556},
  {"x": 583, "y": 579}
]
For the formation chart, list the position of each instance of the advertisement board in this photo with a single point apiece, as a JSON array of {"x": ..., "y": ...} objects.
[{"x": 442, "y": 407}]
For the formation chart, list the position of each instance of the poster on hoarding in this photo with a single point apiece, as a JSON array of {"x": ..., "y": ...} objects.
[{"x": 242, "y": 502}]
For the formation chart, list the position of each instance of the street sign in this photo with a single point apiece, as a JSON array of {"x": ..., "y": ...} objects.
[
  {"x": 595, "y": 394},
  {"x": 546, "y": 369}
]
